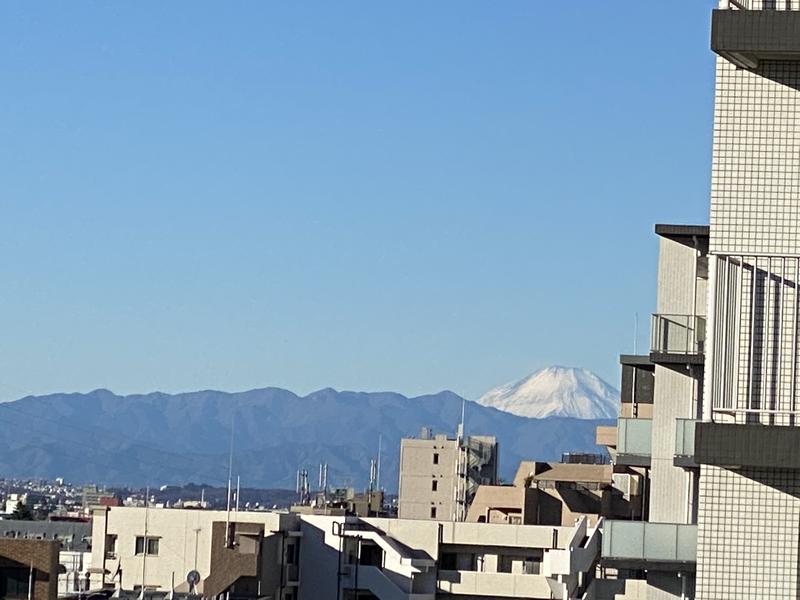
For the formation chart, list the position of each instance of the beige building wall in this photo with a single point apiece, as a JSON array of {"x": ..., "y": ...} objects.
[
  {"x": 676, "y": 387},
  {"x": 425, "y": 464},
  {"x": 184, "y": 539}
]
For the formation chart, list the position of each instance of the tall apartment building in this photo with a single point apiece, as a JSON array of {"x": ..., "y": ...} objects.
[
  {"x": 722, "y": 445},
  {"x": 439, "y": 476},
  {"x": 661, "y": 400},
  {"x": 748, "y": 443}
]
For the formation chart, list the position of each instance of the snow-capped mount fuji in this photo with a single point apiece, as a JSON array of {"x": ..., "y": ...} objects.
[{"x": 556, "y": 392}]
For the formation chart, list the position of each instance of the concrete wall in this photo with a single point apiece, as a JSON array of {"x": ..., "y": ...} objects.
[
  {"x": 676, "y": 388},
  {"x": 416, "y": 497}
]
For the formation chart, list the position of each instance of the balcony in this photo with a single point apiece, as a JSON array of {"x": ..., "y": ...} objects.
[
  {"x": 742, "y": 446},
  {"x": 677, "y": 339},
  {"x": 684, "y": 443},
  {"x": 634, "y": 442},
  {"x": 658, "y": 546},
  {"x": 756, "y": 30},
  {"x": 495, "y": 585}
]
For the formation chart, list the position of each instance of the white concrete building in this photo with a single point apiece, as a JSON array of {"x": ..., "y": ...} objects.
[{"x": 307, "y": 557}]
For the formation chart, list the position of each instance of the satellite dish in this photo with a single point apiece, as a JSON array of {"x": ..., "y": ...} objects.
[{"x": 193, "y": 578}]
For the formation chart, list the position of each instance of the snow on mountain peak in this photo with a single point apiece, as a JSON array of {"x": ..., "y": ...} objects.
[{"x": 556, "y": 391}]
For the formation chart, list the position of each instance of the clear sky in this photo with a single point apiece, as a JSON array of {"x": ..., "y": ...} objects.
[{"x": 404, "y": 196}]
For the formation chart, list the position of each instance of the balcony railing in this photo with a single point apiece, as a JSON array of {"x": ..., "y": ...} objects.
[
  {"x": 760, "y": 4},
  {"x": 634, "y": 441},
  {"x": 684, "y": 442},
  {"x": 678, "y": 334},
  {"x": 638, "y": 542}
]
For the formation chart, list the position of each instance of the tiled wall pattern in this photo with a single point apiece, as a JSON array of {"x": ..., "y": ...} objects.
[
  {"x": 755, "y": 187},
  {"x": 771, "y": 4},
  {"x": 748, "y": 529}
]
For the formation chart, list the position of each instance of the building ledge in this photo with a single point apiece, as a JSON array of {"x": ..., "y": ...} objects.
[
  {"x": 737, "y": 446},
  {"x": 677, "y": 358},
  {"x": 748, "y": 37}
]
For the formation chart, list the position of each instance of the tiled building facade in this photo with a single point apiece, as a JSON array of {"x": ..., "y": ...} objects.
[{"x": 749, "y": 508}]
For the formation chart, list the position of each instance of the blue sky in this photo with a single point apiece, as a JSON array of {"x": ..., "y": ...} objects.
[{"x": 377, "y": 196}]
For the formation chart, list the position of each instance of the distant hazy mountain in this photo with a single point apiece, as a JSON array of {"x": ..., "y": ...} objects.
[
  {"x": 556, "y": 391},
  {"x": 171, "y": 439}
]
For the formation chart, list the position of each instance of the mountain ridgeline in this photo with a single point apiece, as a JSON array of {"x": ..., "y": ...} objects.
[{"x": 157, "y": 438}]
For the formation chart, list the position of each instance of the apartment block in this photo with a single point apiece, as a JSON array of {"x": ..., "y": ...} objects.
[
  {"x": 249, "y": 555},
  {"x": 439, "y": 476}
]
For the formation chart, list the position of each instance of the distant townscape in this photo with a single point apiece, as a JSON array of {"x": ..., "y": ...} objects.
[{"x": 182, "y": 438}]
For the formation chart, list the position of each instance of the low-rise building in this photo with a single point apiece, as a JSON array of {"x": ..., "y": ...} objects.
[
  {"x": 289, "y": 556},
  {"x": 74, "y": 548},
  {"x": 28, "y": 569},
  {"x": 439, "y": 476},
  {"x": 545, "y": 493}
]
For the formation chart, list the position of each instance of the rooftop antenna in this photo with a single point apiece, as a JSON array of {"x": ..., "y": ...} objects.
[
  {"x": 636, "y": 333},
  {"x": 144, "y": 550},
  {"x": 378, "y": 474},
  {"x": 460, "y": 430},
  {"x": 237, "y": 493},
  {"x": 230, "y": 476}
]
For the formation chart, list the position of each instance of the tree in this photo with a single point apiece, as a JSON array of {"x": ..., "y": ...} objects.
[{"x": 22, "y": 512}]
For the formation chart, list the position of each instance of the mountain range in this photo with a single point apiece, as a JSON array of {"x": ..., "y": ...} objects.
[{"x": 158, "y": 438}]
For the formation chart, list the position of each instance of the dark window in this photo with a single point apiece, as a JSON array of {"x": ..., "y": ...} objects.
[
  {"x": 292, "y": 554},
  {"x": 433, "y": 512},
  {"x": 449, "y": 561},
  {"x": 436, "y": 458},
  {"x": 111, "y": 544},
  {"x": 152, "y": 545},
  {"x": 14, "y": 582},
  {"x": 434, "y": 485}
]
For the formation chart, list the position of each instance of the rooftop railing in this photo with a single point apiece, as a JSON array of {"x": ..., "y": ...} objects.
[{"x": 760, "y": 4}]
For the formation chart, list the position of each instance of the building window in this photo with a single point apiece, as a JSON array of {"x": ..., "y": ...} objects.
[
  {"x": 111, "y": 546},
  {"x": 434, "y": 485},
  {"x": 433, "y": 512},
  {"x": 152, "y": 545},
  {"x": 436, "y": 458},
  {"x": 449, "y": 561},
  {"x": 14, "y": 582}
]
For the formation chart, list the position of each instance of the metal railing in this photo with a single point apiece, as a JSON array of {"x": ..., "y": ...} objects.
[
  {"x": 760, "y": 4},
  {"x": 678, "y": 334},
  {"x": 755, "y": 358}
]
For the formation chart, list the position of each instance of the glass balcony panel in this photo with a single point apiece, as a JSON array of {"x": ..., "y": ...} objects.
[
  {"x": 678, "y": 334},
  {"x": 660, "y": 542},
  {"x": 684, "y": 437},
  {"x": 649, "y": 542},
  {"x": 634, "y": 436}
]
